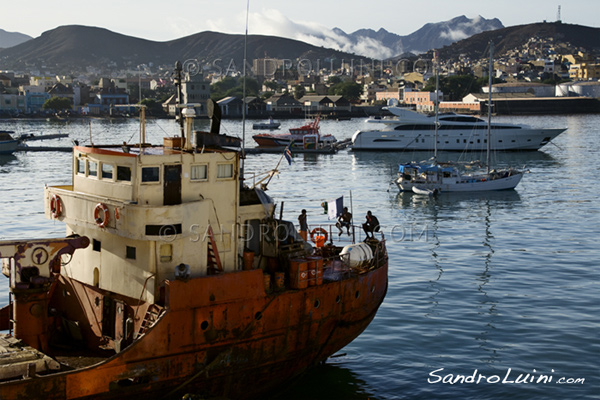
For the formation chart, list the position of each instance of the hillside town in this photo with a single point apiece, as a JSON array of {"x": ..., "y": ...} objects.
[{"x": 538, "y": 76}]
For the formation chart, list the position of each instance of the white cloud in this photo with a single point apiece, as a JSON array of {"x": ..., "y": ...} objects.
[{"x": 273, "y": 23}]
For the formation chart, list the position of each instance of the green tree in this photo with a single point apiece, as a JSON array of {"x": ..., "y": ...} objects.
[
  {"x": 299, "y": 91},
  {"x": 233, "y": 87},
  {"x": 57, "y": 104},
  {"x": 350, "y": 90},
  {"x": 456, "y": 87}
]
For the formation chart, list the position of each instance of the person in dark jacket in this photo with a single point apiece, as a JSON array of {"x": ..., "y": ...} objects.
[{"x": 371, "y": 225}]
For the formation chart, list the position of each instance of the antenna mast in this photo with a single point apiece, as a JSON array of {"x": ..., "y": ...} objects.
[{"x": 244, "y": 97}]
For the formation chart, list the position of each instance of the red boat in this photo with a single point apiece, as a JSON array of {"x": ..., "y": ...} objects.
[
  {"x": 297, "y": 136},
  {"x": 173, "y": 278}
]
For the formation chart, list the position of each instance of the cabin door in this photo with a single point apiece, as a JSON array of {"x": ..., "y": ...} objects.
[{"x": 172, "y": 185}]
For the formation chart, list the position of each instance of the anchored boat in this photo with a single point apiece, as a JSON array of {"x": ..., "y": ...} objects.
[
  {"x": 306, "y": 136},
  {"x": 174, "y": 277}
]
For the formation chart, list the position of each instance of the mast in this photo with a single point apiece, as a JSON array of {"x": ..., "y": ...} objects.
[
  {"x": 437, "y": 104},
  {"x": 489, "y": 130},
  {"x": 244, "y": 97}
]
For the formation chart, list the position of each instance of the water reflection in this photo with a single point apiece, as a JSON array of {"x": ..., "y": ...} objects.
[
  {"x": 487, "y": 305},
  {"x": 7, "y": 159},
  {"x": 326, "y": 382}
]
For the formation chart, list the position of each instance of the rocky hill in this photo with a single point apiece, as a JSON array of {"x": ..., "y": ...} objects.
[
  {"x": 10, "y": 39},
  {"x": 564, "y": 38},
  {"x": 430, "y": 36},
  {"x": 73, "y": 48}
]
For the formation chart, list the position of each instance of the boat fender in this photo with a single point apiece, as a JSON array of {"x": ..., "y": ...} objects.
[
  {"x": 101, "y": 221},
  {"x": 55, "y": 206},
  {"x": 320, "y": 231}
]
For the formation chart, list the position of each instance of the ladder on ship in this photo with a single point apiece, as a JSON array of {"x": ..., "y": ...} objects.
[{"x": 213, "y": 261}]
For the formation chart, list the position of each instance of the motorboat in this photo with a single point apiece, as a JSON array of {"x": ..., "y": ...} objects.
[
  {"x": 268, "y": 124},
  {"x": 8, "y": 144},
  {"x": 297, "y": 136},
  {"x": 411, "y": 130}
]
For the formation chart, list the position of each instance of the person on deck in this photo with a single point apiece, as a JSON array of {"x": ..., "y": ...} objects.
[
  {"x": 303, "y": 225},
  {"x": 344, "y": 220},
  {"x": 371, "y": 225}
]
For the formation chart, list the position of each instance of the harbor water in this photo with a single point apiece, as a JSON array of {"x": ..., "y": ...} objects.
[{"x": 490, "y": 296}]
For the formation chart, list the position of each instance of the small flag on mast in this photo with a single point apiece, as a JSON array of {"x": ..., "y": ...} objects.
[
  {"x": 287, "y": 153},
  {"x": 335, "y": 208}
]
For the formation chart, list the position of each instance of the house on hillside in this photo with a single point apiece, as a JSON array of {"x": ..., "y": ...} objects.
[
  {"x": 284, "y": 104},
  {"x": 325, "y": 104},
  {"x": 231, "y": 107}
]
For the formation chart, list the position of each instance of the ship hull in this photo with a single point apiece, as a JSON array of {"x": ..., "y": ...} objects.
[
  {"x": 454, "y": 140},
  {"x": 224, "y": 336}
]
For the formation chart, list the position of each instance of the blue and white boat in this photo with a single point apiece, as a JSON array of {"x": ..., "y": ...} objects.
[{"x": 7, "y": 143}]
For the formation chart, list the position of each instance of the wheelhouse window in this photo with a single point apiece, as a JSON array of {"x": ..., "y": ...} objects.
[
  {"x": 92, "y": 168},
  {"x": 123, "y": 173},
  {"x": 199, "y": 172},
  {"x": 81, "y": 166},
  {"x": 150, "y": 174},
  {"x": 107, "y": 171},
  {"x": 224, "y": 171}
]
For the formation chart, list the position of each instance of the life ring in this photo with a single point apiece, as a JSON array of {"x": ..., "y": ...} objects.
[
  {"x": 101, "y": 222},
  {"x": 319, "y": 230},
  {"x": 55, "y": 206}
]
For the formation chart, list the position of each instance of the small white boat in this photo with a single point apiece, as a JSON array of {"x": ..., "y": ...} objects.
[
  {"x": 268, "y": 124},
  {"x": 7, "y": 143},
  {"x": 425, "y": 191}
]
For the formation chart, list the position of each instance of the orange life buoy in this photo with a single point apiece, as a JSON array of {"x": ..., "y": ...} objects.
[
  {"x": 55, "y": 206},
  {"x": 101, "y": 222},
  {"x": 321, "y": 231}
]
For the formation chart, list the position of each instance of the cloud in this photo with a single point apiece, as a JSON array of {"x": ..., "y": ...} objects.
[{"x": 273, "y": 23}]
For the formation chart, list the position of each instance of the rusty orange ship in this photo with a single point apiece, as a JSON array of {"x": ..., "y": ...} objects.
[{"x": 173, "y": 278}]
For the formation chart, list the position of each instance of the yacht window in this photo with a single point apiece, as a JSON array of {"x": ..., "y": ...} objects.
[
  {"x": 199, "y": 172},
  {"x": 80, "y": 166},
  {"x": 92, "y": 168},
  {"x": 96, "y": 245},
  {"x": 224, "y": 171},
  {"x": 123, "y": 173},
  {"x": 107, "y": 171},
  {"x": 150, "y": 174}
]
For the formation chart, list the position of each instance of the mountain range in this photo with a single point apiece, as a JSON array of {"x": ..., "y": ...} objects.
[
  {"x": 430, "y": 36},
  {"x": 73, "y": 49},
  {"x": 9, "y": 39}
]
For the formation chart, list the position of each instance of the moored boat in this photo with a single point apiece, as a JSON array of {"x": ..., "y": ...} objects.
[
  {"x": 410, "y": 130},
  {"x": 268, "y": 124},
  {"x": 298, "y": 137},
  {"x": 174, "y": 277},
  {"x": 8, "y": 144}
]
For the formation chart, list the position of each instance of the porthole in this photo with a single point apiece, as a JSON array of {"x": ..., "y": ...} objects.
[
  {"x": 317, "y": 303},
  {"x": 357, "y": 294},
  {"x": 372, "y": 289},
  {"x": 204, "y": 325},
  {"x": 338, "y": 299},
  {"x": 258, "y": 316}
]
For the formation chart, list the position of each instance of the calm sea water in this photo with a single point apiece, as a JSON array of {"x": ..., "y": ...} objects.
[{"x": 490, "y": 287}]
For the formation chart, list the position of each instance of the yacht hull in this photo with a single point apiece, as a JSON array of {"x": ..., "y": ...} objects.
[{"x": 454, "y": 140}]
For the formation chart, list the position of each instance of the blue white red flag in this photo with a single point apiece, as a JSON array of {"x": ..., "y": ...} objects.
[{"x": 287, "y": 153}]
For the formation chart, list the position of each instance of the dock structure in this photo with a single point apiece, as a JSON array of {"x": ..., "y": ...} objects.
[{"x": 45, "y": 148}]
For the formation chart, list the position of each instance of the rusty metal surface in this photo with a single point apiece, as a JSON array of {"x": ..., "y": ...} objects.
[{"x": 220, "y": 335}]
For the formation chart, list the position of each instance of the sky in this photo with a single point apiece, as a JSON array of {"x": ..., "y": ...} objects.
[{"x": 154, "y": 20}]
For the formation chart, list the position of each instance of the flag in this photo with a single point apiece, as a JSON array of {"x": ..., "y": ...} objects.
[
  {"x": 287, "y": 153},
  {"x": 335, "y": 208}
]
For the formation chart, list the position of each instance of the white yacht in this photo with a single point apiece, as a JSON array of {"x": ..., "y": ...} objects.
[{"x": 410, "y": 130}]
